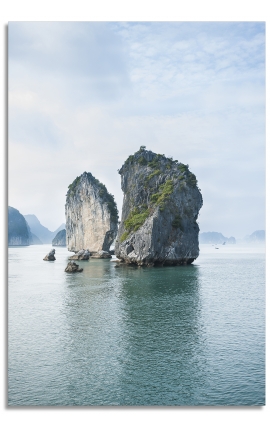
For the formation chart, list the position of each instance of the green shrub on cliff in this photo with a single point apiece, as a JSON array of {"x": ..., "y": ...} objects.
[
  {"x": 165, "y": 190},
  {"x": 192, "y": 180},
  {"x": 156, "y": 172},
  {"x": 102, "y": 190},
  {"x": 134, "y": 221}
]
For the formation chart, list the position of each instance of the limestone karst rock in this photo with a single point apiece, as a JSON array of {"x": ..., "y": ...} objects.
[
  {"x": 18, "y": 230},
  {"x": 160, "y": 209},
  {"x": 72, "y": 267},
  {"x": 101, "y": 254},
  {"x": 91, "y": 215},
  {"x": 60, "y": 238},
  {"x": 50, "y": 256},
  {"x": 81, "y": 255}
]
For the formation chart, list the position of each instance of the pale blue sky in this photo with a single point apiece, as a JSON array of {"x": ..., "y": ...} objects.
[{"x": 83, "y": 96}]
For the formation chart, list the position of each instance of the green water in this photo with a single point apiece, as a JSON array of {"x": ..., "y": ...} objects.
[{"x": 137, "y": 336}]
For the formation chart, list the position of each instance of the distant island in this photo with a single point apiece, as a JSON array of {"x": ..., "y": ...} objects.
[
  {"x": 215, "y": 238},
  {"x": 18, "y": 230},
  {"x": 25, "y": 230},
  {"x": 60, "y": 238},
  {"x": 257, "y": 236},
  {"x": 43, "y": 233}
]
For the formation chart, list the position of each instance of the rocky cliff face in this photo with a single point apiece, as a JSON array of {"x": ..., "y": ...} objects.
[
  {"x": 60, "y": 238},
  {"x": 18, "y": 230},
  {"x": 160, "y": 209},
  {"x": 91, "y": 215}
]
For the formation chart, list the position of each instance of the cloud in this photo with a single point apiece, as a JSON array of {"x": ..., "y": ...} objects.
[{"x": 83, "y": 96}]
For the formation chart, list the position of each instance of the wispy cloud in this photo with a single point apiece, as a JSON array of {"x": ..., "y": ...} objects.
[{"x": 83, "y": 96}]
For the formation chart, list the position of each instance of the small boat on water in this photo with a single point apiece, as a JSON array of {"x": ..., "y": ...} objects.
[{"x": 216, "y": 248}]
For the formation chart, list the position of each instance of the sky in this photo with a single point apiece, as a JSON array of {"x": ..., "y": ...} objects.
[{"x": 83, "y": 96}]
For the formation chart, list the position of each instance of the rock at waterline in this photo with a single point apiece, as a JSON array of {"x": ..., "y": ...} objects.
[
  {"x": 160, "y": 209},
  {"x": 50, "y": 256},
  {"x": 101, "y": 254},
  {"x": 81, "y": 255},
  {"x": 91, "y": 215},
  {"x": 72, "y": 267}
]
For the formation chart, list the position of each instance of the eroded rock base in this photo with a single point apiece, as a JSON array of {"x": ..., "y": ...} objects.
[
  {"x": 81, "y": 255},
  {"x": 182, "y": 262}
]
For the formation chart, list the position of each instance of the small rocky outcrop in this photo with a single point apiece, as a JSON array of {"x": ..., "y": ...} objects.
[
  {"x": 72, "y": 267},
  {"x": 81, "y": 255},
  {"x": 160, "y": 210},
  {"x": 50, "y": 256},
  {"x": 18, "y": 231},
  {"x": 101, "y": 254},
  {"x": 60, "y": 238},
  {"x": 91, "y": 215}
]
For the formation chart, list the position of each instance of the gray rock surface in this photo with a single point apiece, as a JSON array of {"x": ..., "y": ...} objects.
[
  {"x": 72, "y": 267},
  {"x": 91, "y": 215},
  {"x": 160, "y": 208},
  {"x": 81, "y": 255},
  {"x": 60, "y": 238},
  {"x": 101, "y": 254},
  {"x": 50, "y": 256}
]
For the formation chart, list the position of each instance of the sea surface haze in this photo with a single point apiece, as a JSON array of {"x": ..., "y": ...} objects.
[{"x": 191, "y": 335}]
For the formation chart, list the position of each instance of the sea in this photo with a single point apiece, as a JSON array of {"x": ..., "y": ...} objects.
[{"x": 127, "y": 336}]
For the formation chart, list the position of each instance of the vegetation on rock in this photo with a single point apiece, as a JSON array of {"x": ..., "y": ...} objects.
[
  {"x": 169, "y": 176},
  {"x": 103, "y": 193},
  {"x": 160, "y": 209}
]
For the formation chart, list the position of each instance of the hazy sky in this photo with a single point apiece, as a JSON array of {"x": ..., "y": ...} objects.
[{"x": 84, "y": 96}]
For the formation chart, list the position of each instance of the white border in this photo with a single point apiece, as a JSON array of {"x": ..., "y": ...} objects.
[{"x": 121, "y": 418}]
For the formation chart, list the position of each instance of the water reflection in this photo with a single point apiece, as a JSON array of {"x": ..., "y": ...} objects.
[
  {"x": 134, "y": 335},
  {"x": 129, "y": 336}
]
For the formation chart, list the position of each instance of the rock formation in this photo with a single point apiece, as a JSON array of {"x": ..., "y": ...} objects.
[
  {"x": 18, "y": 230},
  {"x": 60, "y": 238},
  {"x": 50, "y": 256},
  {"x": 91, "y": 215},
  {"x": 101, "y": 254},
  {"x": 160, "y": 209},
  {"x": 81, "y": 255},
  {"x": 72, "y": 267}
]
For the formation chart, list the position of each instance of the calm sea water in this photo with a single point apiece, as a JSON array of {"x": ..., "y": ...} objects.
[{"x": 137, "y": 336}]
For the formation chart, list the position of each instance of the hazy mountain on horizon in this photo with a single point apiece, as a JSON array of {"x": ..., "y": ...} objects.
[
  {"x": 256, "y": 236},
  {"x": 215, "y": 237},
  {"x": 42, "y": 233},
  {"x": 18, "y": 231}
]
